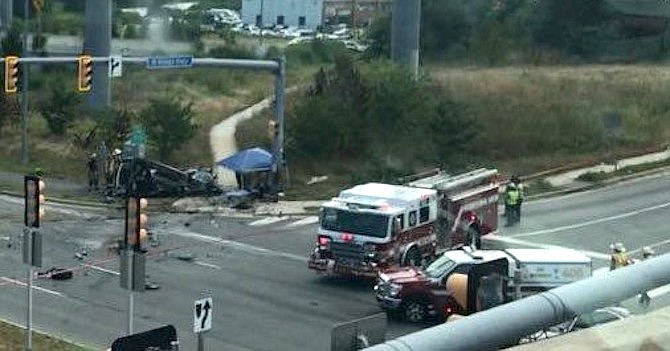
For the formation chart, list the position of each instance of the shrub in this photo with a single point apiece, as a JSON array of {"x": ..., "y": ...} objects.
[
  {"x": 60, "y": 110},
  {"x": 231, "y": 51},
  {"x": 169, "y": 123}
]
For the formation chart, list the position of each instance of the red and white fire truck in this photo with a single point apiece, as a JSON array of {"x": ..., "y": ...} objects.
[{"x": 374, "y": 226}]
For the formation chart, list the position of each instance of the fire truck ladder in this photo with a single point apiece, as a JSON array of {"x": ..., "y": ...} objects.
[{"x": 444, "y": 182}]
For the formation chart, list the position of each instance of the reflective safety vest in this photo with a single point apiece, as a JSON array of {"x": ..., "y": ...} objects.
[
  {"x": 620, "y": 259},
  {"x": 512, "y": 197}
]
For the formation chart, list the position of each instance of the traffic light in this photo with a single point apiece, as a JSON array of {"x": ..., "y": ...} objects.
[
  {"x": 136, "y": 221},
  {"x": 34, "y": 200},
  {"x": 11, "y": 74},
  {"x": 85, "y": 75}
]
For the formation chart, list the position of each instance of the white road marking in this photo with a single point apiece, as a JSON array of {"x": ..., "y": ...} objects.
[
  {"x": 205, "y": 264},
  {"x": 105, "y": 270},
  {"x": 592, "y": 222},
  {"x": 592, "y": 254},
  {"x": 660, "y": 243},
  {"x": 267, "y": 220},
  {"x": 13, "y": 281},
  {"x": 75, "y": 210},
  {"x": 659, "y": 291},
  {"x": 305, "y": 221},
  {"x": 237, "y": 245}
]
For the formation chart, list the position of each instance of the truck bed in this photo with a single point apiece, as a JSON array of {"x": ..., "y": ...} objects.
[{"x": 553, "y": 267}]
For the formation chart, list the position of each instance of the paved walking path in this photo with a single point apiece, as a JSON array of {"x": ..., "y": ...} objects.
[{"x": 222, "y": 140}]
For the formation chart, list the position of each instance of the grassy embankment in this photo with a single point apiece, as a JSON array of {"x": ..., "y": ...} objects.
[
  {"x": 12, "y": 339},
  {"x": 531, "y": 119}
]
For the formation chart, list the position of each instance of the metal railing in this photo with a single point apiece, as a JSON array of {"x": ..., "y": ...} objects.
[{"x": 505, "y": 325}]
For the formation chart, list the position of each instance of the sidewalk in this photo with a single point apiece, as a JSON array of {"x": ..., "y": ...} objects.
[
  {"x": 568, "y": 179},
  {"x": 222, "y": 140}
]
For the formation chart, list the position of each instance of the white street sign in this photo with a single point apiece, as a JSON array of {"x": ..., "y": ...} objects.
[
  {"x": 202, "y": 315},
  {"x": 115, "y": 66}
]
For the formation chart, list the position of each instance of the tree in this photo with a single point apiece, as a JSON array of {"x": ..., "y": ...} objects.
[
  {"x": 444, "y": 29},
  {"x": 185, "y": 26},
  {"x": 113, "y": 125},
  {"x": 378, "y": 115},
  {"x": 169, "y": 122},
  {"x": 380, "y": 35},
  {"x": 569, "y": 25},
  {"x": 60, "y": 110},
  {"x": 9, "y": 109},
  {"x": 12, "y": 43}
]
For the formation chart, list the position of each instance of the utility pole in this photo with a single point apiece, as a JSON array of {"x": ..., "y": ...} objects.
[
  {"x": 278, "y": 141},
  {"x": 354, "y": 18},
  {"x": 6, "y": 14},
  {"x": 260, "y": 25},
  {"x": 98, "y": 42},
  {"x": 405, "y": 30},
  {"x": 24, "y": 87}
]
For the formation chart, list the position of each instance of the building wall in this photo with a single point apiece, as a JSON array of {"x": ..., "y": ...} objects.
[
  {"x": 291, "y": 10},
  {"x": 365, "y": 10}
]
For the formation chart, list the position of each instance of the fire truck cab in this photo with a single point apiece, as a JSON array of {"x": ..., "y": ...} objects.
[{"x": 374, "y": 226}]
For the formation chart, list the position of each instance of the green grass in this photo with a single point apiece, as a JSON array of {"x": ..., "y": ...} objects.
[
  {"x": 12, "y": 338},
  {"x": 538, "y": 186}
]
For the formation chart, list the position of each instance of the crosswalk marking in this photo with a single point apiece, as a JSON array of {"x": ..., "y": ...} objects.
[
  {"x": 296, "y": 221},
  {"x": 268, "y": 220},
  {"x": 305, "y": 221}
]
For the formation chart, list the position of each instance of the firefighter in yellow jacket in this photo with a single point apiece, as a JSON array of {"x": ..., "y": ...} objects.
[{"x": 619, "y": 257}]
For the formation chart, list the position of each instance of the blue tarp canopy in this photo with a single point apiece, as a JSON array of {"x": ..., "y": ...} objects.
[{"x": 250, "y": 160}]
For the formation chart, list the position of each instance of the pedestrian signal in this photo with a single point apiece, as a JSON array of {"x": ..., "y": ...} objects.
[
  {"x": 11, "y": 74},
  {"x": 85, "y": 74}
]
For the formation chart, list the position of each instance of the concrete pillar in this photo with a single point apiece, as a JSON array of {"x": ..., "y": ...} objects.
[
  {"x": 98, "y": 42},
  {"x": 6, "y": 13},
  {"x": 405, "y": 30}
]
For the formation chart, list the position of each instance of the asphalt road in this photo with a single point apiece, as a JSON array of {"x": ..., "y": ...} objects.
[{"x": 264, "y": 296}]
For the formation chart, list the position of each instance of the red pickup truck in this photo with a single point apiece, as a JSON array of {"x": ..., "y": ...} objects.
[{"x": 418, "y": 294}]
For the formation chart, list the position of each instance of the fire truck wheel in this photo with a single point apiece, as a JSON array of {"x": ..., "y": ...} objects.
[
  {"x": 415, "y": 310},
  {"x": 412, "y": 258}
]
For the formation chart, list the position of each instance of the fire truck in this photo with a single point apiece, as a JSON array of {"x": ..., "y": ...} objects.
[{"x": 374, "y": 226}]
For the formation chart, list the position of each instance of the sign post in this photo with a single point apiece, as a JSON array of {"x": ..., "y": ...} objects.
[
  {"x": 115, "y": 66},
  {"x": 202, "y": 319}
]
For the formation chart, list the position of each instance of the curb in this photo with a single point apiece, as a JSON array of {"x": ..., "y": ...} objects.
[
  {"x": 305, "y": 212},
  {"x": 59, "y": 200},
  {"x": 600, "y": 184}
]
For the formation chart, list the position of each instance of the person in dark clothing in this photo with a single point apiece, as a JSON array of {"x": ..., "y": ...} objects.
[{"x": 92, "y": 166}]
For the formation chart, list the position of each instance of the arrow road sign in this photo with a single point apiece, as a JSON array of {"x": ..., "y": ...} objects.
[
  {"x": 157, "y": 62},
  {"x": 202, "y": 315},
  {"x": 115, "y": 66}
]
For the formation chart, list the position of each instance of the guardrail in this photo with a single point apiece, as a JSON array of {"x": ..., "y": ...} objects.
[{"x": 505, "y": 325}]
